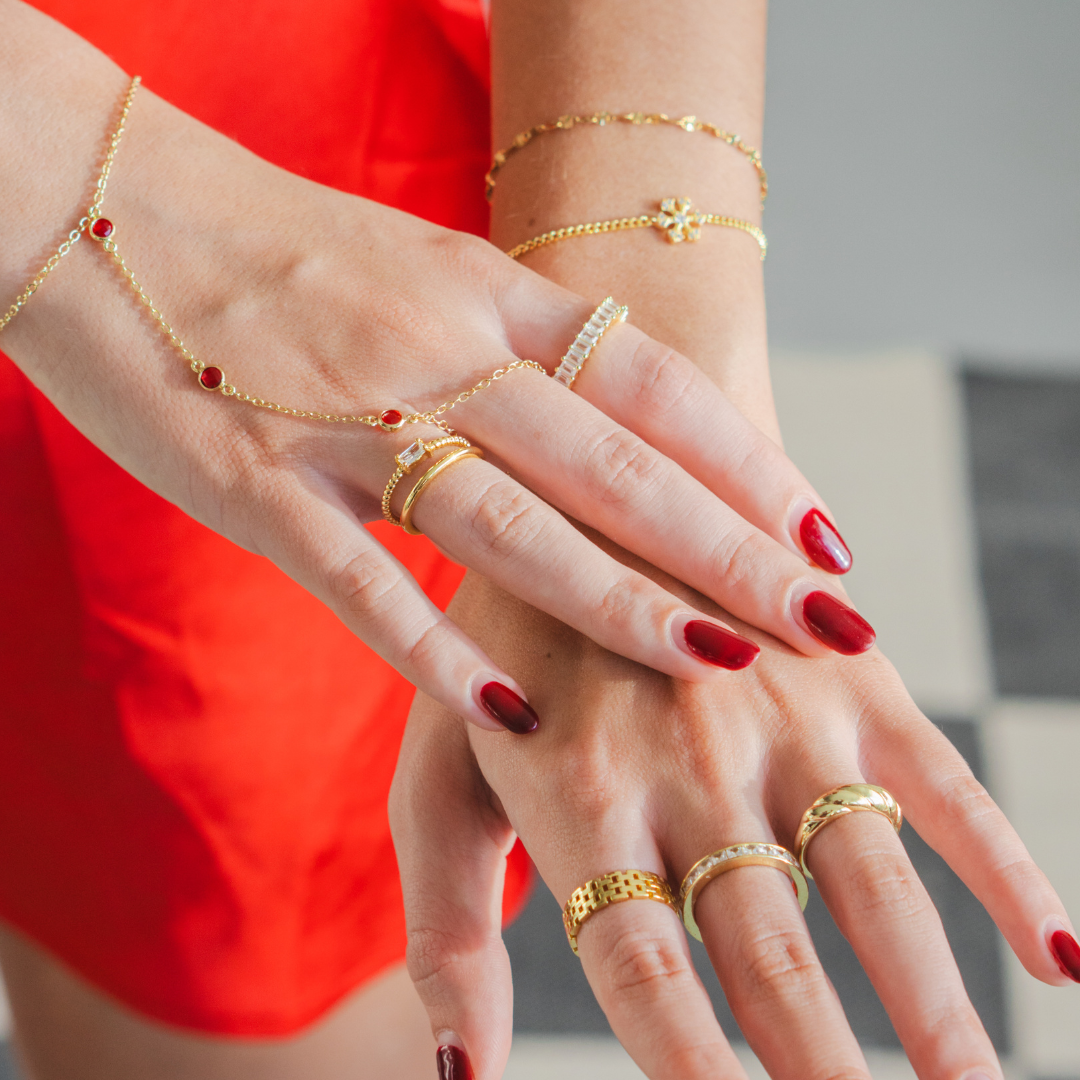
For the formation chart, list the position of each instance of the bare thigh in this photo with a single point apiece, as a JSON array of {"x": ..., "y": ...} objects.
[{"x": 65, "y": 1029}]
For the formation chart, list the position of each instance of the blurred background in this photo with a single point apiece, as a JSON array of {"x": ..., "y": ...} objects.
[
  {"x": 924, "y": 307},
  {"x": 924, "y": 299}
]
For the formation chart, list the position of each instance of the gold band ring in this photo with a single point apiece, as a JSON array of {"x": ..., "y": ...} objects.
[
  {"x": 847, "y": 799},
  {"x": 731, "y": 858},
  {"x": 613, "y": 888},
  {"x": 408, "y": 457},
  {"x": 440, "y": 466}
]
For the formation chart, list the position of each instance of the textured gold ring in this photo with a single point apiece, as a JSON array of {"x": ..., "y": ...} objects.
[
  {"x": 409, "y": 457},
  {"x": 613, "y": 888},
  {"x": 847, "y": 799},
  {"x": 440, "y": 466},
  {"x": 731, "y": 858}
]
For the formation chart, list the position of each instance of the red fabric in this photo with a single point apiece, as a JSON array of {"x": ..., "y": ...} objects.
[{"x": 194, "y": 754}]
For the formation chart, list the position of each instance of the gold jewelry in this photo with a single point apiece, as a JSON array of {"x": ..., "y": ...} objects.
[
  {"x": 848, "y": 799},
  {"x": 211, "y": 377},
  {"x": 588, "y": 338},
  {"x": 440, "y": 466},
  {"x": 677, "y": 219},
  {"x": 601, "y": 119},
  {"x": 613, "y": 888},
  {"x": 93, "y": 214},
  {"x": 731, "y": 858},
  {"x": 408, "y": 457}
]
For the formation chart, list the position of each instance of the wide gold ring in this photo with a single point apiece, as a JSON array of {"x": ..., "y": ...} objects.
[
  {"x": 613, "y": 888},
  {"x": 440, "y": 466},
  {"x": 847, "y": 799},
  {"x": 731, "y": 858}
]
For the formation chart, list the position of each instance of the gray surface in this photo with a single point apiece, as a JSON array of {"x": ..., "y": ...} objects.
[
  {"x": 923, "y": 160},
  {"x": 8, "y": 1069},
  {"x": 551, "y": 994},
  {"x": 1025, "y": 454}
]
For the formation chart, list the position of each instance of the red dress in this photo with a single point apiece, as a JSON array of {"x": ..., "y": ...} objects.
[{"x": 195, "y": 755}]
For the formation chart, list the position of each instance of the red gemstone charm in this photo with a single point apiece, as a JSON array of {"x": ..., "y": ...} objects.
[
  {"x": 391, "y": 420},
  {"x": 211, "y": 378},
  {"x": 101, "y": 229}
]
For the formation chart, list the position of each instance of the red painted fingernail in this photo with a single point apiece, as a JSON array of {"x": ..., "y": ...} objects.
[
  {"x": 510, "y": 709},
  {"x": 719, "y": 647},
  {"x": 823, "y": 545},
  {"x": 1066, "y": 953},
  {"x": 452, "y": 1062},
  {"x": 836, "y": 625}
]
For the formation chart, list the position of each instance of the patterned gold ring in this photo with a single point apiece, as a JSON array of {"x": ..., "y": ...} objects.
[
  {"x": 731, "y": 858},
  {"x": 613, "y": 888},
  {"x": 847, "y": 799},
  {"x": 410, "y": 456}
]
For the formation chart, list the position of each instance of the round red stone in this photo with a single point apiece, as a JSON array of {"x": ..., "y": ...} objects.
[
  {"x": 211, "y": 378},
  {"x": 102, "y": 228},
  {"x": 390, "y": 418}
]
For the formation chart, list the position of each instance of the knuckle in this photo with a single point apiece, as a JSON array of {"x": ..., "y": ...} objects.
[
  {"x": 964, "y": 800},
  {"x": 641, "y": 967},
  {"x": 886, "y": 886},
  {"x": 433, "y": 953},
  {"x": 620, "y": 468},
  {"x": 506, "y": 519},
  {"x": 662, "y": 379},
  {"x": 739, "y": 552},
  {"x": 621, "y": 603},
  {"x": 779, "y": 961},
  {"x": 362, "y": 586}
]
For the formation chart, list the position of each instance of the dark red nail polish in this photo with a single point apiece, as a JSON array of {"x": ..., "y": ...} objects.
[
  {"x": 718, "y": 646},
  {"x": 1066, "y": 953},
  {"x": 452, "y": 1062},
  {"x": 836, "y": 625},
  {"x": 512, "y": 711},
  {"x": 823, "y": 545}
]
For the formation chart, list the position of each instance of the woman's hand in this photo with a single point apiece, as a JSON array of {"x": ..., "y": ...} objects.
[
  {"x": 635, "y": 770},
  {"x": 321, "y": 300}
]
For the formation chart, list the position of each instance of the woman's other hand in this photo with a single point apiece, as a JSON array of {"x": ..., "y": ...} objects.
[{"x": 635, "y": 770}]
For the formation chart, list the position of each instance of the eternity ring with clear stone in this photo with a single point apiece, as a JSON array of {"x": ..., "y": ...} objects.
[{"x": 730, "y": 858}]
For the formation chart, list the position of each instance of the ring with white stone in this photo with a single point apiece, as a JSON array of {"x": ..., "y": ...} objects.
[
  {"x": 409, "y": 457},
  {"x": 730, "y": 858},
  {"x": 605, "y": 316}
]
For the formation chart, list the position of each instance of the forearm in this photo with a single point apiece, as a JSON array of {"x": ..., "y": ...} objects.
[{"x": 698, "y": 57}]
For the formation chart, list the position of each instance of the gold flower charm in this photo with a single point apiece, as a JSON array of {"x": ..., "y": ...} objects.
[{"x": 679, "y": 220}]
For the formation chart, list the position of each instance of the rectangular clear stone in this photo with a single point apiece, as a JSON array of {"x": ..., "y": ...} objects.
[{"x": 411, "y": 454}]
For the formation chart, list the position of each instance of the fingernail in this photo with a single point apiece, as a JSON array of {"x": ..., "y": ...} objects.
[
  {"x": 509, "y": 709},
  {"x": 452, "y": 1061},
  {"x": 836, "y": 625},
  {"x": 1067, "y": 953},
  {"x": 976, "y": 1076},
  {"x": 823, "y": 545},
  {"x": 718, "y": 646}
]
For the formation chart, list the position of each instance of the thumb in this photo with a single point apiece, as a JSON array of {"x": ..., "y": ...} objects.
[{"x": 452, "y": 845}]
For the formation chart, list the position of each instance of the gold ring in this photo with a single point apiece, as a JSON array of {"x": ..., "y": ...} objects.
[
  {"x": 847, "y": 799},
  {"x": 731, "y": 858},
  {"x": 613, "y": 888},
  {"x": 441, "y": 465},
  {"x": 405, "y": 462},
  {"x": 600, "y": 321}
]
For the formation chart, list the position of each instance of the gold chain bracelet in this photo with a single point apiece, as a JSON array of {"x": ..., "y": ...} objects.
[
  {"x": 211, "y": 377},
  {"x": 601, "y": 119},
  {"x": 677, "y": 219}
]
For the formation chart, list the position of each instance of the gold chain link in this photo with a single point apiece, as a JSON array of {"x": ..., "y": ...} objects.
[
  {"x": 601, "y": 119},
  {"x": 641, "y": 221},
  {"x": 86, "y": 225},
  {"x": 75, "y": 235}
]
